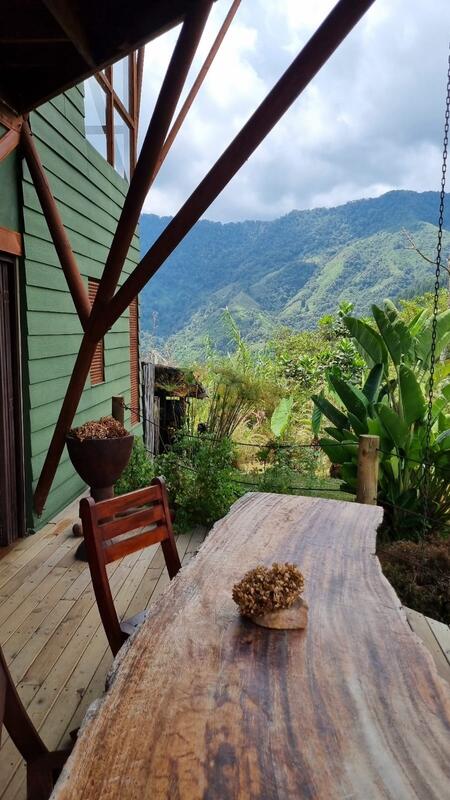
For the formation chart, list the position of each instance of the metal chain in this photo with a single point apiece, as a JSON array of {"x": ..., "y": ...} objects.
[{"x": 436, "y": 296}]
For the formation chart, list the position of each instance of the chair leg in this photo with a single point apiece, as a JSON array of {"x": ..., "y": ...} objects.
[{"x": 39, "y": 782}]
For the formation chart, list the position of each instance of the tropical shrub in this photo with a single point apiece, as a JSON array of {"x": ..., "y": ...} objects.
[
  {"x": 391, "y": 404},
  {"x": 200, "y": 475},
  {"x": 139, "y": 471},
  {"x": 238, "y": 385},
  {"x": 303, "y": 359}
]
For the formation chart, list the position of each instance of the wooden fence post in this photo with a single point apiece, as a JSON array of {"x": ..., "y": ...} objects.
[
  {"x": 118, "y": 409},
  {"x": 367, "y": 486}
]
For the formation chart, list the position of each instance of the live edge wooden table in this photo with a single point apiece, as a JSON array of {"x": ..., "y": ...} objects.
[{"x": 202, "y": 705}]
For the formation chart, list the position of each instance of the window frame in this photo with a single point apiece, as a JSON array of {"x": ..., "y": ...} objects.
[{"x": 129, "y": 117}]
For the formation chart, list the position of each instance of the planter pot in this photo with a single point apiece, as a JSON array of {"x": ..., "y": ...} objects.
[{"x": 100, "y": 462}]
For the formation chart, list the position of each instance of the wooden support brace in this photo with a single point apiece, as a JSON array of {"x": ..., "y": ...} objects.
[
  {"x": 56, "y": 227},
  {"x": 8, "y": 143}
]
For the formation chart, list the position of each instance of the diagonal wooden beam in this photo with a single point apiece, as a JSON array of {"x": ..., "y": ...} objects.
[
  {"x": 164, "y": 110},
  {"x": 316, "y": 52},
  {"x": 8, "y": 143},
  {"x": 55, "y": 226},
  {"x": 196, "y": 86}
]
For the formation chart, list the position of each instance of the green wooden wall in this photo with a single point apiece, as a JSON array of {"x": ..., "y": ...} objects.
[{"x": 89, "y": 194}]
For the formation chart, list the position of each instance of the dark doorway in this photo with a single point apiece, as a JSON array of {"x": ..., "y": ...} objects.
[{"x": 11, "y": 452}]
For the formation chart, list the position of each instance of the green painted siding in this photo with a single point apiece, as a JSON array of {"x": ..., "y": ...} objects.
[{"x": 89, "y": 194}]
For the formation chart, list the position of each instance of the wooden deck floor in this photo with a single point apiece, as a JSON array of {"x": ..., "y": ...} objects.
[
  {"x": 51, "y": 633},
  {"x": 53, "y": 640}
]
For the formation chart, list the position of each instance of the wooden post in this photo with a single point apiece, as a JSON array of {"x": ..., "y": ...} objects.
[
  {"x": 367, "y": 488},
  {"x": 118, "y": 409}
]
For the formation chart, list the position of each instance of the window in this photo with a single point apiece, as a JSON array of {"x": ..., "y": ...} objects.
[
  {"x": 134, "y": 362},
  {"x": 97, "y": 370},
  {"x": 111, "y": 112},
  {"x": 121, "y": 146},
  {"x": 95, "y": 116}
]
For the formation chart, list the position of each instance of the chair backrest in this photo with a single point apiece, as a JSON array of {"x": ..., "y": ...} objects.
[
  {"x": 15, "y": 718},
  {"x": 145, "y": 516}
]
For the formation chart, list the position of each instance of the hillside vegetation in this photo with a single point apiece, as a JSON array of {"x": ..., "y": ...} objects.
[{"x": 289, "y": 271}]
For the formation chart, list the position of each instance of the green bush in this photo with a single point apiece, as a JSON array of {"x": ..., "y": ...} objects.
[
  {"x": 200, "y": 474},
  {"x": 138, "y": 473},
  {"x": 391, "y": 404}
]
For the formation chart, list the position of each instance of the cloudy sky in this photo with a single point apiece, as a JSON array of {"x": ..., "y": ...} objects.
[{"x": 370, "y": 121}]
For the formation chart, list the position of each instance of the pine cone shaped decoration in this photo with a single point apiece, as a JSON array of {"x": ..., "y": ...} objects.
[{"x": 267, "y": 589}]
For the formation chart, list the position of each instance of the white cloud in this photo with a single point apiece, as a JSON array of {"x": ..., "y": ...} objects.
[{"x": 370, "y": 121}]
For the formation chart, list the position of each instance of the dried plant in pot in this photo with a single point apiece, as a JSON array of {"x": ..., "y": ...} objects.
[
  {"x": 99, "y": 450},
  {"x": 270, "y": 597}
]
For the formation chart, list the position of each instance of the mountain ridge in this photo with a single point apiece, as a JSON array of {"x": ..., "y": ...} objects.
[{"x": 288, "y": 271}]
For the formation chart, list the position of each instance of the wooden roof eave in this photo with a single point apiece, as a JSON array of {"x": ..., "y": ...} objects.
[{"x": 49, "y": 46}]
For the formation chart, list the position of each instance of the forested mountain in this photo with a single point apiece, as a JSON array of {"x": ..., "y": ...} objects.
[{"x": 288, "y": 271}]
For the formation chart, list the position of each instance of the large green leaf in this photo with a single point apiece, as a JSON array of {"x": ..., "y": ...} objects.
[
  {"x": 369, "y": 340},
  {"x": 443, "y": 422},
  {"x": 337, "y": 453},
  {"x": 439, "y": 404},
  {"x": 358, "y": 425},
  {"x": 406, "y": 340},
  {"x": 389, "y": 334},
  {"x": 423, "y": 342},
  {"x": 352, "y": 397},
  {"x": 413, "y": 402},
  {"x": 340, "y": 434},
  {"x": 316, "y": 419},
  {"x": 281, "y": 416},
  {"x": 446, "y": 392},
  {"x": 443, "y": 440},
  {"x": 349, "y": 472},
  {"x": 396, "y": 429},
  {"x": 391, "y": 310},
  {"x": 417, "y": 323},
  {"x": 372, "y": 384},
  {"x": 332, "y": 413}
]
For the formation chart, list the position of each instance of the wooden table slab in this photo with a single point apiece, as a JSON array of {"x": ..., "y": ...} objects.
[{"x": 203, "y": 705}]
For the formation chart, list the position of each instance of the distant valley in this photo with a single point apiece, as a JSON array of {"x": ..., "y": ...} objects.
[{"x": 288, "y": 271}]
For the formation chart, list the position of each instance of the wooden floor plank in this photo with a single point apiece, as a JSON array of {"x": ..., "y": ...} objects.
[{"x": 14, "y": 636}]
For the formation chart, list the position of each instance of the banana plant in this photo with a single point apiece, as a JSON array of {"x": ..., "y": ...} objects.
[
  {"x": 391, "y": 404},
  {"x": 281, "y": 417}
]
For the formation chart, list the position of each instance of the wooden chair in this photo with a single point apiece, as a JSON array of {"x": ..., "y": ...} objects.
[
  {"x": 105, "y": 525},
  {"x": 43, "y": 766}
]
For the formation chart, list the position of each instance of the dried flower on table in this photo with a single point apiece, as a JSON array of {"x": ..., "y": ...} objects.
[{"x": 266, "y": 589}]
